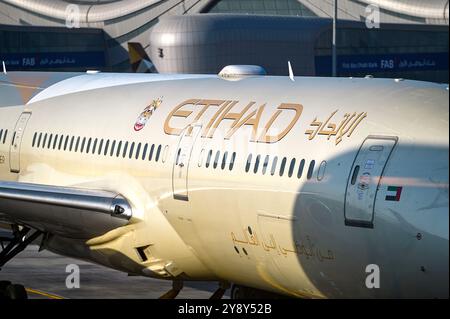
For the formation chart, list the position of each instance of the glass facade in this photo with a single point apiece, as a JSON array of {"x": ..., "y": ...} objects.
[
  {"x": 275, "y": 7},
  {"x": 48, "y": 49}
]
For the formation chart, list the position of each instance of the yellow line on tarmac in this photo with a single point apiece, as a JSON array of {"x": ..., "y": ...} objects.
[{"x": 42, "y": 293}]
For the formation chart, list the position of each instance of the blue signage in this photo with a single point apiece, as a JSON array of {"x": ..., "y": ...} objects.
[
  {"x": 348, "y": 64},
  {"x": 55, "y": 60}
]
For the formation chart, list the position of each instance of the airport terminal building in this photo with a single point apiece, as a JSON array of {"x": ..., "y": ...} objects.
[{"x": 202, "y": 36}]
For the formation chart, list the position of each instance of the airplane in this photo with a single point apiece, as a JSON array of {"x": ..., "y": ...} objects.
[
  {"x": 289, "y": 186},
  {"x": 139, "y": 59}
]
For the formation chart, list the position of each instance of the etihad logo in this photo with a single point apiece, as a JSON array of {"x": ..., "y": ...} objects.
[
  {"x": 250, "y": 115},
  {"x": 146, "y": 114}
]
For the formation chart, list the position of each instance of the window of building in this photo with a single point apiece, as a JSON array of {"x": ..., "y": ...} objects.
[{"x": 271, "y": 7}]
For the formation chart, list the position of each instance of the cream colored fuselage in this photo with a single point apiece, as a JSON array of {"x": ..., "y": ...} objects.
[{"x": 272, "y": 230}]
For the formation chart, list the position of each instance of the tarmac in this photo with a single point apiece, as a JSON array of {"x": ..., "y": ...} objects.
[{"x": 44, "y": 276}]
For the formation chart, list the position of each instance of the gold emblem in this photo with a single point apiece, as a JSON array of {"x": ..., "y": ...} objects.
[{"x": 146, "y": 114}]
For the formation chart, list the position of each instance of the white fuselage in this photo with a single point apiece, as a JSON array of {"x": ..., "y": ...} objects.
[{"x": 250, "y": 217}]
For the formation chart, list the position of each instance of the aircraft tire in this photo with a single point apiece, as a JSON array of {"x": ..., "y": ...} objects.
[{"x": 16, "y": 292}]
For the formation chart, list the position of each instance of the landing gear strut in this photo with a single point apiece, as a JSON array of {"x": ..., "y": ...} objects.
[{"x": 15, "y": 245}]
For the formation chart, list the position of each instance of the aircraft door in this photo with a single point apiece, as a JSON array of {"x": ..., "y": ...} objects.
[
  {"x": 364, "y": 179},
  {"x": 182, "y": 160},
  {"x": 14, "y": 153}
]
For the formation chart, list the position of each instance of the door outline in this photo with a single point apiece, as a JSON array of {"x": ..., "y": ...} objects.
[
  {"x": 361, "y": 223},
  {"x": 16, "y": 142},
  {"x": 196, "y": 131}
]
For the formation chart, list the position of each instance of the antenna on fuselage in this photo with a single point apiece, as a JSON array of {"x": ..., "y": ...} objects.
[
  {"x": 4, "y": 67},
  {"x": 291, "y": 73}
]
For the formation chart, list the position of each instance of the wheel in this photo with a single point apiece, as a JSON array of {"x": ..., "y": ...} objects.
[
  {"x": 16, "y": 292},
  {"x": 3, "y": 285}
]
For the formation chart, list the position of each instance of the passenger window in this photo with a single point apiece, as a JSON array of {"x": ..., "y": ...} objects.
[
  {"x": 291, "y": 168},
  {"x": 83, "y": 143},
  {"x": 274, "y": 165},
  {"x": 50, "y": 141},
  {"x": 55, "y": 142},
  {"x": 152, "y": 149},
  {"x": 130, "y": 155},
  {"x": 165, "y": 153},
  {"x": 39, "y": 140},
  {"x": 45, "y": 140},
  {"x": 321, "y": 171},
  {"x": 138, "y": 151},
  {"x": 265, "y": 164},
  {"x": 300, "y": 168},
  {"x": 158, "y": 153},
  {"x": 61, "y": 138},
  {"x": 119, "y": 147},
  {"x": 105, "y": 153},
  {"x": 124, "y": 153},
  {"x": 94, "y": 147},
  {"x": 233, "y": 159},
  {"x": 224, "y": 160},
  {"x": 100, "y": 147},
  {"x": 66, "y": 142},
  {"x": 77, "y": 144},
  {"x": 200, "y": 158},
  {"x": 4, "y": 136},
  {"x": 144, "y": 153},
  {"x": 32, "y": 143},
  {"x": 208, "y": 160},
  {"x": 88, "y": 147},
  {"x": 216, "y": 160},
  {"x": 258, "y": 158},
  {"x": 311, "y": 169},
  {"x": 113, "y": 147},
  {"x": 283, "y": 166},
  {"x": 249, "y": 163}
]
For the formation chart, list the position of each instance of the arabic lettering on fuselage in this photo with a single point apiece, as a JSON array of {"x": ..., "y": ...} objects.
[{"x": 195, "y": 110}]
